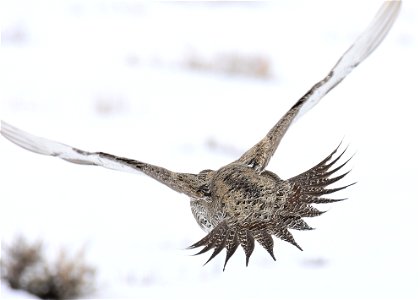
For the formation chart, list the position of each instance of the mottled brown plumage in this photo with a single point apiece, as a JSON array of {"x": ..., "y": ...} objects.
[
  {"x": 248, "y": 205},
  {"x": 242, "y": 201}
]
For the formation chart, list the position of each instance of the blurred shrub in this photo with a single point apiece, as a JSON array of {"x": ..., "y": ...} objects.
[
  {"x": 232, "y": 63},
  {"x": 24, "y": 267}
]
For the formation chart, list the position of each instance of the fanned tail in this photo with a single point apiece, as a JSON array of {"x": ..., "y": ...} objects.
[
  {"x": 222, "y": 236},
  {"x": 230, "y": 237},
  {"x": 312, "y": 184}
]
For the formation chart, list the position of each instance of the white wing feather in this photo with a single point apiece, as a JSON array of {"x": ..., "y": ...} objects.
[
  {"x": 49, "y": 147},
  {"x": 364, "y": 45}
]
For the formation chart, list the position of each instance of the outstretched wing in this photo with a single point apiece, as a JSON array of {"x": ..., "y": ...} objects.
[
  {"x": 189, "y": 184},
  {"x": 260, "y": 154}
]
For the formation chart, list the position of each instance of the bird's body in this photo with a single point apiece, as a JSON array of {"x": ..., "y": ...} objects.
[
  {"x": 245, "y": 202},
  {"x": 239, "y": 192},
  {"x": 242, "y": 201}
]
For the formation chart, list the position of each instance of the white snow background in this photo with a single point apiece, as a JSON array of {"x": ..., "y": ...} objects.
[{"x": 119, "y": 77}]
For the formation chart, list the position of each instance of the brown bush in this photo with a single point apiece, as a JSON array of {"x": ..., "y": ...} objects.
[{"x": 25, "y": 267}]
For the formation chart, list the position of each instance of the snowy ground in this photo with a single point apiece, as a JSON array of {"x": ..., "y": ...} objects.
[{"x": 144, "y": 81}]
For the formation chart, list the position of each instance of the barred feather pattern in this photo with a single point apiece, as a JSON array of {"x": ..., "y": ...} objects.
[{"x": 295, "y": 197}]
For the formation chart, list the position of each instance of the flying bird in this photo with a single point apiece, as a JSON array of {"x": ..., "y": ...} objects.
[{"x": 243, "y": 201}]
